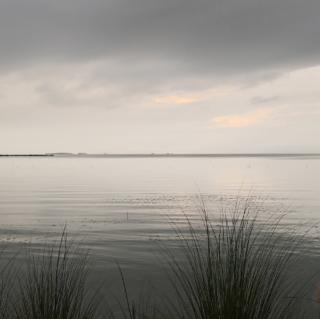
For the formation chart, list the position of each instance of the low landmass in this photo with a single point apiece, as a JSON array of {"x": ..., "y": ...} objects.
[{"x": 142, "y": 155}]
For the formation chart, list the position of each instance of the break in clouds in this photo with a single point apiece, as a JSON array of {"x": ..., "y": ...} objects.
[{"x": 158, "y": 76}]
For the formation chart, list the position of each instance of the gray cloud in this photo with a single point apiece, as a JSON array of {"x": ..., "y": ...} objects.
[
  {"x": 259, "y": 100},
  {"x": 159, "y": 75},
  {"x": 204, "y": 36}
]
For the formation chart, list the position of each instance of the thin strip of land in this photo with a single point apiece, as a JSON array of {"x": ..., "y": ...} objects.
[{"x": 179, "y": 155}]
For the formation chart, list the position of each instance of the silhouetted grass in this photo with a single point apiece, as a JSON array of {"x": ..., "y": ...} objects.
[
  {"x": 6, "y": 285},
  {"x": 143, "y": 308},
  {"x": 235, "y": 268},
  {"x": 54, "y": 286}
]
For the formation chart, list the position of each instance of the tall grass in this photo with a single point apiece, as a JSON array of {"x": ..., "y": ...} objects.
[
  {"x": 234, "y": 268},
  {"x": 6, "y": 284},
  {"x": 54, "y": 286}
]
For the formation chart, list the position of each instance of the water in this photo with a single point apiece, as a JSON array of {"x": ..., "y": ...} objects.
[
  {"x": 120, "y": 207},
  {"x": 125, "y": 199}
]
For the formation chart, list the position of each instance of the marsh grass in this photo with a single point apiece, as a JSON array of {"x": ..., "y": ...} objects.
[
  {"x": 7, "y": 275},
  {"x": 234, "y": 268},
  {"x": 55, "y": 285}
]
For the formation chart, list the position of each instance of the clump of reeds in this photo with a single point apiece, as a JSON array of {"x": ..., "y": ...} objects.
[
  {"x": 6, "y": 285},
  {"x": 54, "y": 286},
  {"x": 234, "y": 268}
]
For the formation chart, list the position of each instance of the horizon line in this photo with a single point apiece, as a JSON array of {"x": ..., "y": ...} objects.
[{"x": 82, "y": 154}]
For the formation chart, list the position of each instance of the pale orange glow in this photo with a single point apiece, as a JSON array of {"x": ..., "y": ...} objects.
[
  {"x": 177, "y": 99},
  {"x": 243, "y": 120},
  {"x": 190, "y": 98}
]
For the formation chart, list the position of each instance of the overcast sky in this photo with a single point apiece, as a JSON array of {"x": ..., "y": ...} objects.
[{"x": 129, "y": 76}]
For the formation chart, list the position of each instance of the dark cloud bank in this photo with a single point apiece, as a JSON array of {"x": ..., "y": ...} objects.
[{"x": 215, "y": 36}]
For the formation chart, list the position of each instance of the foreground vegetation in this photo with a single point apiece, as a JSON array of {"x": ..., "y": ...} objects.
[{"x": 235, "y": 268}]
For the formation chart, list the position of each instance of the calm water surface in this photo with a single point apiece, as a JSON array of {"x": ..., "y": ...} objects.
[{"x": 118, "y": 207}]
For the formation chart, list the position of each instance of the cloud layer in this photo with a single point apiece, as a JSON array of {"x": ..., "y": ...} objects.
[
  {"x": 159, "y": 75},
  {"x": 206, "y": 36}
]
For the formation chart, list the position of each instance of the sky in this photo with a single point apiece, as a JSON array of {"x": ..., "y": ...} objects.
[{"x": 143, "y": 76}]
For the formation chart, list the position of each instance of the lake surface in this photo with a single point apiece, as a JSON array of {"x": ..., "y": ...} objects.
[
  {"x": 120, "y": 207},
  {"x": 94, "y": 194}
]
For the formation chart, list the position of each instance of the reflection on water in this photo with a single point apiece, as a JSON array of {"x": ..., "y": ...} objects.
[
  {"x": 133, "y": 197},
  {"x": 120, "y": 207}
]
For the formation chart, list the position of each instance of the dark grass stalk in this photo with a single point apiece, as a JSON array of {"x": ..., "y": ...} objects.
[
  {"x": 55, "y": 285},
  {"x": 235, "y": 269},
  {"x": 142, "y": 307},
  {"x": 7, "y": 276}
]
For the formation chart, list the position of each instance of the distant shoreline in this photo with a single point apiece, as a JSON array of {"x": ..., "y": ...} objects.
[
  {"x": 27, "y": 155},
  {"x": 165, "y": 155}
]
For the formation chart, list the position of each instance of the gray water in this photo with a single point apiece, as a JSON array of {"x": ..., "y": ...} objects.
[
  {"x": 121, "y": 207},
  {"x": 108, "y": 195}
]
